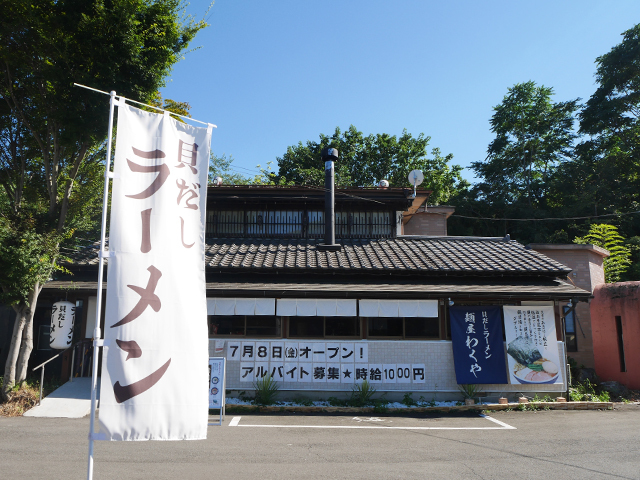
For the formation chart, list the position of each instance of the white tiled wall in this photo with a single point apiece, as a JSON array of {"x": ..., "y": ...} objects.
[{"x": 437, "y": 356}]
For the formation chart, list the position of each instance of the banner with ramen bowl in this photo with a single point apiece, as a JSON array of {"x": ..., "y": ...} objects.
[{"x": 532, "y": 347}]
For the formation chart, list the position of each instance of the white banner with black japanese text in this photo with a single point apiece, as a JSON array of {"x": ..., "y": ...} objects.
[
  {"x": 532, "y": 347},
  {"x": 156, "y": 350},
  {"x": 317, "y": 362}
]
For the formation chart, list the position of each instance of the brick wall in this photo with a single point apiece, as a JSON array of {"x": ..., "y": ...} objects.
[{"x": 429, "y": 222}]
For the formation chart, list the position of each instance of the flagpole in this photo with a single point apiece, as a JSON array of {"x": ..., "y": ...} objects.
[
  {"x": 97, "y": 335},
  {"x": 147, "y": 105}
]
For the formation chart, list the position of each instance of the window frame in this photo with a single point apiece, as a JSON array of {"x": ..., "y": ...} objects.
[
  {"x": 277, "y": 319},
  {"x": 571, "y": 345},
  {"x": 404, "y": 329},
  {"x": 356, "y": 319}
]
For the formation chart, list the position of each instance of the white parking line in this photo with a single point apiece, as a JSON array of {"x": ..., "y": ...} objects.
[
  {"x": 235, "y": 422},
  {"x": 506, "y": 426}
]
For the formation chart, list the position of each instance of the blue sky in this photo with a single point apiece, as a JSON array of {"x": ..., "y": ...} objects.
[{"x": 272, "y": 73}]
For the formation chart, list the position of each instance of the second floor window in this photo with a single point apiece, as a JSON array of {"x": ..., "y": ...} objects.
[{"x": 298, "y": 224}]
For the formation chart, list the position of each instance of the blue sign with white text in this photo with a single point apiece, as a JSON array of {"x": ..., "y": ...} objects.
[{"x": 478, "y": 348}]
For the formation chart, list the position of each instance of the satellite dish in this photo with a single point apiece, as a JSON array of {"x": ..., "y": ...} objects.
[{"x": 416, "y": 177}]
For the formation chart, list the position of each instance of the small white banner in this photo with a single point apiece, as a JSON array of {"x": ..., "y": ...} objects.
[
  {"x": 532, "y": 347},
  {"x": 217, "y": 372},
  {"x": 156, "y": 350}
]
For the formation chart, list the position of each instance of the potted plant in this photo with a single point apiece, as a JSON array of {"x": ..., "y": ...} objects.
[{"x": 469, "y": 392}]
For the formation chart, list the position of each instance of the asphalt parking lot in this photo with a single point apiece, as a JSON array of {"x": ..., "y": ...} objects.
[
  {"x": 502, "y": 445},
  {"x": 351, "y": 422}
]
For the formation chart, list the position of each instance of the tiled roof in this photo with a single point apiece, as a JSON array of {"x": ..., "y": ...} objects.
[
  {"x": 403, "y": 255},
  {"x": 436, "y": 255}
]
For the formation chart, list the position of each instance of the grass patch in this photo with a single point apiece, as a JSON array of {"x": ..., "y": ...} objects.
[{"x": 25, "y": 396}]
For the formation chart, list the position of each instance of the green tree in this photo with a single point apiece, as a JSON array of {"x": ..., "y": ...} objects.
[
  {"x": 607, "y": 237},
  {"x": 633, "y": 273},
  {"x": 365, "y": 160},
  {"x": 615, "y": 105},
  {"x": 179, "y": 108},
  {"x": 610, "y": 157},
  {"x": 221, "y": 166},
  {"x": 533, "y": 136},
  {"x": 52, "y": 133},
  {"x": 604, "y": 177}
]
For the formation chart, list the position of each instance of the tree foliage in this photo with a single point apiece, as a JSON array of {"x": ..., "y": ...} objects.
[
  {"x": 365, "y": 160},
  {"x": 607, "y": 237},
  {"x": 610, "y": 153},
  {"x": 615, "y": 105},
  {"x": 221, "y": 166},
  {"x": 533, "y": 136},
  {"x": 52, "y": 133}
]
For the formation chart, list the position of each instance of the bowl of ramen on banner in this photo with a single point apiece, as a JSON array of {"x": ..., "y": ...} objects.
[{"x": 530, "y": 365}]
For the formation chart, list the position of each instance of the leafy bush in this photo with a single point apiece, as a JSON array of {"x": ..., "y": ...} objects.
[
  {"x": 588, "y": 392},
  {"x": 266, "y": 390}
]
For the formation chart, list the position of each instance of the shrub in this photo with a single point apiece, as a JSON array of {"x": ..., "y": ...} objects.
[
  {"x": 361, "y": 394},
  {"x": 408, "y": 400},
  {"x": 469, "y": 390},
  {"x": 305, "y": 402},
  {"x": 588, "y": 392},
  {"x": 266, "y": 390},
  {"x": 380, "y": 406},
  {"x": 336, "y": 402}
]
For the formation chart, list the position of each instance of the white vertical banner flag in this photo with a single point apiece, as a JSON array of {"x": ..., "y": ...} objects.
[{"x": 155, "y": 359}]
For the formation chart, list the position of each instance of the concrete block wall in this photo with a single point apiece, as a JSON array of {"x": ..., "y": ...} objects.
[{"x": 585, "y": 262}]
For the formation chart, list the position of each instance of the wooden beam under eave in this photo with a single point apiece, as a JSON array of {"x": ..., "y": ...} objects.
[{"x": 420, "y": 199}]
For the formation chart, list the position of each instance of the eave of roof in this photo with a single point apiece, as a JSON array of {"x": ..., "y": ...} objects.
[
  {"x": 318, "y": 287},
  {"x": 371, "y": 197}
]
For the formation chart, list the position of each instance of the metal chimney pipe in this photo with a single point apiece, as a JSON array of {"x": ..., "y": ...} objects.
[{"x": 329, "y": 156}]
